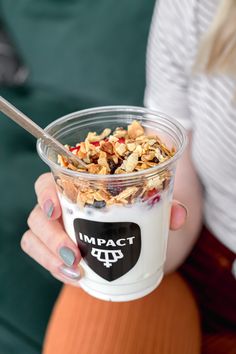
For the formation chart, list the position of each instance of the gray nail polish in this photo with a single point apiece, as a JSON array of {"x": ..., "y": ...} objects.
[
  {"x": 67, "y": 256},
  {"x": 48, "y": 208},
  {"x": 50, "y": 211},
  {"x": 71, "y": 273}
]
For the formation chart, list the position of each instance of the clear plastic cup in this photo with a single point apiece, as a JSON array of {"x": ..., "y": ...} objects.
[{"x": 123, "y": 246}]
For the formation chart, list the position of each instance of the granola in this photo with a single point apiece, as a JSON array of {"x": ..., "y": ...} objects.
[{"x": 119, "y": 152}]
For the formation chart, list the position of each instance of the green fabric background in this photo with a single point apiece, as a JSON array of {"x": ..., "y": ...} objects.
[
  {"x": 80, "y": 53},
  {"x": 87, "y": 49}
]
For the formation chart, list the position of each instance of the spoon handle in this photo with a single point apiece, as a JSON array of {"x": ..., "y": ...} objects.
[
  {"x": 26, "y": 123},
  {"x": 20, "y": 118}
]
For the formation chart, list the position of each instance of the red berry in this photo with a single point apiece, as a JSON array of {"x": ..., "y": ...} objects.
[
  {"x": 75, "y": 148},
  {"x": 152, "y": 197},
  {"x": 95, "y": 143},
  {"x": 121, "y": 140},
  {"x": 152, "y": 192}
]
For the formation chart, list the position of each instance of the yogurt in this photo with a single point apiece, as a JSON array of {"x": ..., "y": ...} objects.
[{"x": 123, "y": 247}]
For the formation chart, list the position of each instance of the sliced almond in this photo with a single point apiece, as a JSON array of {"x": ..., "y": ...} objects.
[{"x": 135, "y": 130}]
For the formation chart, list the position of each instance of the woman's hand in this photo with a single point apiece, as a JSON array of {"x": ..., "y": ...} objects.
[{"x": 46, "y": 240}]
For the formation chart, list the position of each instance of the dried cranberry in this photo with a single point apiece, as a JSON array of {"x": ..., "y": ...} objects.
[
  {"x": 75, "y": 148},
  {"x": 95, "y": 143},
  {"x": 152, "y": 197},
  {"x": 151, "y": 193},
  {"x": 121, "y": 140},
  {"x": 154, "y": 200},
  {"x": 112, "y": 166}
]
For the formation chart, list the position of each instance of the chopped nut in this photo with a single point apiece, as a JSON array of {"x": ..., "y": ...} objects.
[
  {"x": 69, "y": 189},
  {"x": 139, "y": 150},
  {"x": 148, "y": 157},
  {"x": 126, "y": 193},
  {"x": 124, "y": 151},
  {"x": 93, "y": 168},
  {"x": 115, "y": 159},
  {"x": 131, "y": 147},
  {"x": 103, "y": 171},
  {"x": 120, "y": 132},
  {"x": 102, "y": 161},
  {"x": 62, "y": 161},
  {"x": 112, "y": 139},
  {"x": 83, "y": 198},
  {"x": 141, "y": 166},
  {"x": 92, "y": 137},
  {"x": 120, "y": 149},
  {"x": 135, "y": 130},
  {"x": 107, "y": 147},
  {"x": 131, "y": 162},
  {"x": 154, "y": 183},
  {"x": 71, "y": 167}
]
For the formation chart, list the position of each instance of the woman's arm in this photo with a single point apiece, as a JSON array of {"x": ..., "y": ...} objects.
[
  {"x": 188, "y": 190},
  {"x": 167, "y": 91}
]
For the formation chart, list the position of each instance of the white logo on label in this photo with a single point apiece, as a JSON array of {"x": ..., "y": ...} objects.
[
  {"x": 103, "y": 242},
  {"x": 107, "y": 256}
]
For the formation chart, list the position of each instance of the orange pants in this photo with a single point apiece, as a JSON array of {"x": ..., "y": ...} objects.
[{"x": 164, "y": 322}]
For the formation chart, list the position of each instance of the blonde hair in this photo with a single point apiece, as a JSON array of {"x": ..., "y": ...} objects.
[{"x": 217, "y": 52}]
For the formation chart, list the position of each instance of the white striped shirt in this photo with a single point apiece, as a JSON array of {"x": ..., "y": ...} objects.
[{"x": 204, "y": 104}]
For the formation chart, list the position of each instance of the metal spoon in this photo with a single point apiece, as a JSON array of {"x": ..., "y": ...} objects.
[{"x": 21, "y": 119}]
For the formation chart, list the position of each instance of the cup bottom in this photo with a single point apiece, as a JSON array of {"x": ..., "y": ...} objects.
[{"x": 123, "y": 293}]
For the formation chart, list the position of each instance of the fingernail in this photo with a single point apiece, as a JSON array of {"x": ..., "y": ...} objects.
[
  {"x": 67, "y": 256},
  {"x": 184, "y": 207},
  {"x": 70, "y": 272},
  {"x": 48, "y": 208}
]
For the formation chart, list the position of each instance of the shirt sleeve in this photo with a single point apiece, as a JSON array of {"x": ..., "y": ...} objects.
[{"x": 166, "y": 65}]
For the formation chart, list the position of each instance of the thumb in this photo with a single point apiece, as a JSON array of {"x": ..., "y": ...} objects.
[
  {"x": 178, "y": 216},
  {"x": 45, "y": 189}
]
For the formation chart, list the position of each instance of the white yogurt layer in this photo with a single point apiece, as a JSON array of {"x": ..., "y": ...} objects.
[{"x": 148, "y": 271}]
